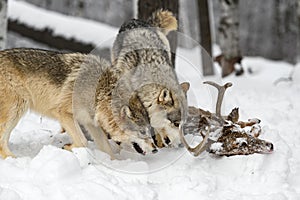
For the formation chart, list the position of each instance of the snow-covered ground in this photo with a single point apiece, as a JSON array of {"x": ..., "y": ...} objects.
[
  {"x": 43, "y": 171},
  {"x": 48, "y": 172}
]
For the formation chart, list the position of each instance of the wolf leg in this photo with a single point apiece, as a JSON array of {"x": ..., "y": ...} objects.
[
  {"x": 72, "y": 127},
  {"x": 12, "y": 108},
  {"x": 100, "y": 139}
]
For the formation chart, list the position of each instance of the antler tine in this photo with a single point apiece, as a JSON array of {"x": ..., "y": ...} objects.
[
  {"x": 221, "y": 91},
  {"x": 197, "y": 150}
]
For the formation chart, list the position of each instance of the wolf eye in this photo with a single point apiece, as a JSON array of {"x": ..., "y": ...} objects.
[
  {"x": 176, "y": 124},
  {"x": 143, "y": 132}
]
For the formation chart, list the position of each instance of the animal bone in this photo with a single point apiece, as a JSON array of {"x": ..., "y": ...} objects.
[
  {"x": 236, "y": 141},
  {"x": 217, "y": 118},
  {"x": 197, "y": 150},
  {"x": 221, "y": 92},
  {"x": 224, "y": 135}
]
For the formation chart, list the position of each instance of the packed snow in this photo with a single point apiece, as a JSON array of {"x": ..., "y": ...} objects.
[{"x": 44, "y": 171}]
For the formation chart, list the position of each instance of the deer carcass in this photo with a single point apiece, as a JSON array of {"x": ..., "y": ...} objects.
[{"x": 223, "y": 135}]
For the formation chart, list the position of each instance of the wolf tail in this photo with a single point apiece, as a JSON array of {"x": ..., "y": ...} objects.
[{"x": 165, "y": 20}]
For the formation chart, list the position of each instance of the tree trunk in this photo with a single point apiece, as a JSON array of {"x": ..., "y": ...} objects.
[
  {"x": 229, "y": 36},
  {"x": 147, "y": 7},
  {"x": 3, "y": 23},
  {"x": 205, "y": 37},
  {"x": 298, "y": 39}
]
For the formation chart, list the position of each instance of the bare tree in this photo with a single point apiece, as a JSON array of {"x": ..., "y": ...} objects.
[
  {"x": 229, "y": 37},
  {"x": 3, "y": 23},
  {"x": 205, "y": 37},
  {"x": 147, "y": 7}
]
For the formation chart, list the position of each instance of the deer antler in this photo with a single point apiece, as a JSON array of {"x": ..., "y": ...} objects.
[
  {"x": 197, "y": 150},
  {"x": 230, "y": 136},
  {"x": 221, "y": 91},
  {"x": 203, "y": 144}
]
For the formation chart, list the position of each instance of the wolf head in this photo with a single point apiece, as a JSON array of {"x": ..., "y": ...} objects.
[
  {"x": 168, "y": 132},
  {"x": 166, "y": 109},
  {"x": 135, "y": 122}
]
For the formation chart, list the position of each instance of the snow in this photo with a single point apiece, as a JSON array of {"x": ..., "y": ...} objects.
[
  {"x": 217, "y": 146},
  {"x": 241, "y": 141},
  {"x": 43, "y": 171},
  {"x": 87, "y": 31}
]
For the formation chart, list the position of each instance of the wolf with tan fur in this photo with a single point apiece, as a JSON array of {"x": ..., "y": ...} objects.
[{"x": 58, "y": 86}]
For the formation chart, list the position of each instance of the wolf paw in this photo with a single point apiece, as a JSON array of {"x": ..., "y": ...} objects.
[
  {"x": 68, "y": 147},
  {"x": 6, "y": 153}
]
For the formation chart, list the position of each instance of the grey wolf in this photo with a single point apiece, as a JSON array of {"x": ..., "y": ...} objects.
[{"x": 142, "y": 49}]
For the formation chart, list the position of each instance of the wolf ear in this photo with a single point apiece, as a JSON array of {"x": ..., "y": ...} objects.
[
  {"x": 185, "y": 86},
  {"x": 164, "y": 20},
  {"x": 125, "y": 112},
  {"x": 165, "y": 96}
]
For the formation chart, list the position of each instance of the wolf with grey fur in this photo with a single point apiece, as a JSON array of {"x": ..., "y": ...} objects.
[{"x": 142, "y": 49}]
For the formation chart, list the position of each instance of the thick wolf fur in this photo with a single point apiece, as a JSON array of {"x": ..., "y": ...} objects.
[
  {"x": 43, "y": 81},
  {"x": 139, "y": 88},
  {"x": 141, "y": 48},
  {"x": 123, "y": 118}
]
